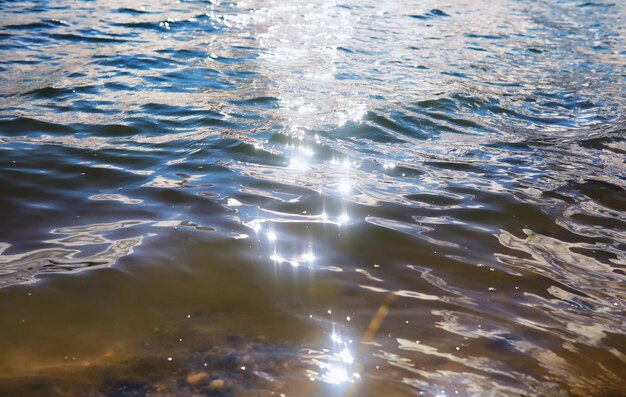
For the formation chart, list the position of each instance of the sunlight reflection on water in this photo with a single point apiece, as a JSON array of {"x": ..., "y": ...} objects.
[{"x": 263, "y": 159}]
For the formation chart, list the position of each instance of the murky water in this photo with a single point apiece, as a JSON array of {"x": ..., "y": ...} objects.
[{"x": 216, "y": 198}]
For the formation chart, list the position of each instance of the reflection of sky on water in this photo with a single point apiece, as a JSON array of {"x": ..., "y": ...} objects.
[
  {"x": 82, "y": 248},
  {"x": 366, "y": 106}
]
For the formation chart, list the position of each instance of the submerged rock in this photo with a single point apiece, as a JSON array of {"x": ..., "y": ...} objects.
[
  {"x": 217, "y": 384},
  {"x": 199, "y": 378}
]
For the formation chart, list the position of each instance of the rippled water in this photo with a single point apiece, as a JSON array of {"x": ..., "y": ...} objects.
[{"x": 247, "y": 182}]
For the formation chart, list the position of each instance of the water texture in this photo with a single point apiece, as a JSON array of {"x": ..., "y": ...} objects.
[{"x": 215, "y": 198}]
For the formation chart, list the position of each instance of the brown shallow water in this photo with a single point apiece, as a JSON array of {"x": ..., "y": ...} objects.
[{"x": 216, "y": 198}]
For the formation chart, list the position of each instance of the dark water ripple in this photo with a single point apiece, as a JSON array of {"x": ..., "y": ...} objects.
[{"x": 277, "y": 168}]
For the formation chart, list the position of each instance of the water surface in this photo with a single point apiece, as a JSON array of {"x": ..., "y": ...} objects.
[{"x": 234, "y": 188}]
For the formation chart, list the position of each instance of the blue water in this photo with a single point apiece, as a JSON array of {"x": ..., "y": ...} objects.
[{"x": 202, "y": 191}]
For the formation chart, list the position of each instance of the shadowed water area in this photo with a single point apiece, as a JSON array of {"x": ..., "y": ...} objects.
[{"x": 216, "y": 198}]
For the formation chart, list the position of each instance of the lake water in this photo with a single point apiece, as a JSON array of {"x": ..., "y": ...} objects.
[{"x": 217, "y": 198}]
